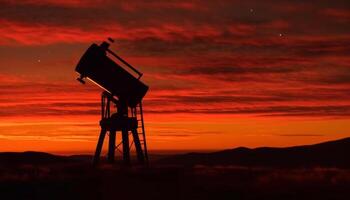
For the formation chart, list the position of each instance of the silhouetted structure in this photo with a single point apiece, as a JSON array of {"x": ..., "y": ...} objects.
[{"x": 122, "y": 90}]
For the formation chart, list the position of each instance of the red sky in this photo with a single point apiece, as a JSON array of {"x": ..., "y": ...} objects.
[{"x": 222, "y": 74}]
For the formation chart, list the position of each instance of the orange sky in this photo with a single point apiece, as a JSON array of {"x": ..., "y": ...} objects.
[{"x": 221, "y": 75}]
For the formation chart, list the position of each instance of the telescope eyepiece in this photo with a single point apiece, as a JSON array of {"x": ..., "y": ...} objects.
[
  {"x": 81, "y": 80},
  {"x": 110, "y": 40},
  {"x": 105, "y": 45}
]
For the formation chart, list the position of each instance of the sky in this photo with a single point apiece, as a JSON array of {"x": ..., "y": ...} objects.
[{"x": 222, "y": 74}]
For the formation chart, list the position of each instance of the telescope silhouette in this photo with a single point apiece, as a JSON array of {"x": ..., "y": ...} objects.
[
  {"x": 125, "y": 92},
  {"x": 103, "y": 71}
]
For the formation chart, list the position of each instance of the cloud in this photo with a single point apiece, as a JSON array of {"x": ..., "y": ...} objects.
[
  {"x": 58, "y": 99},
  {"x": 225, "y": 67},
  {"x": 272, "y": 111},
  {"x": 301, "y": 135},
  {"x": 197, "y": 56},
  {"x": 340, "y": 14},
  {"x": 210, "y": 70},
  {"x": 54, "y": 2}
]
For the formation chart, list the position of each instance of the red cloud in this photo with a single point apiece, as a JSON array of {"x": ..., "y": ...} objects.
[
  {"x": 37, "y": 34},
  {"x": 340, "y": 14},
  {"x": 65, "y": 3},
  {"x": 142, "y": 5}
]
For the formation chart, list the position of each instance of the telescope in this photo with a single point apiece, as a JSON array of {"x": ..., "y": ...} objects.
[
  {"x": 103, "y": 71},
  {"x": 121, "y": 89}
]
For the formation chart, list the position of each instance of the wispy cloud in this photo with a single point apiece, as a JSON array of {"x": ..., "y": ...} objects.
[{"x": 264, "y": 59}]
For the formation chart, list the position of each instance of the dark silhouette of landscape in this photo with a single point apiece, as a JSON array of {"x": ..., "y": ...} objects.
[
  {"x": 320, "y": 171},
  {"x": 327, "y": 154}
]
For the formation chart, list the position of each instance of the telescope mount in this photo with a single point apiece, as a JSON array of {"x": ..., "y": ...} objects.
[{"x": 127, "y": 120}]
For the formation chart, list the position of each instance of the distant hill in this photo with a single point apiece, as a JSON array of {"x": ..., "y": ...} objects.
[
  {"x": 32, "y": 157},
  {"x": 327, "y": 154}
]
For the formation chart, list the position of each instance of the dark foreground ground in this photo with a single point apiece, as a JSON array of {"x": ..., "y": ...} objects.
[
  {"x": 313, "y": 172},
  {"x": 78, "y": 180}
]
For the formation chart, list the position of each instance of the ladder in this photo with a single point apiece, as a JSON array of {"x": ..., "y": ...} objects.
[{"x": 137, "y": 112}]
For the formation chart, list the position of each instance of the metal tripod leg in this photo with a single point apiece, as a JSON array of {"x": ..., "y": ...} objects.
[
  {"x": 111, "y": 146},
  {"x": 139, "y": 152},
  {"x": 99, "y": 146},
  {"x": 126, "y": 149}
]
